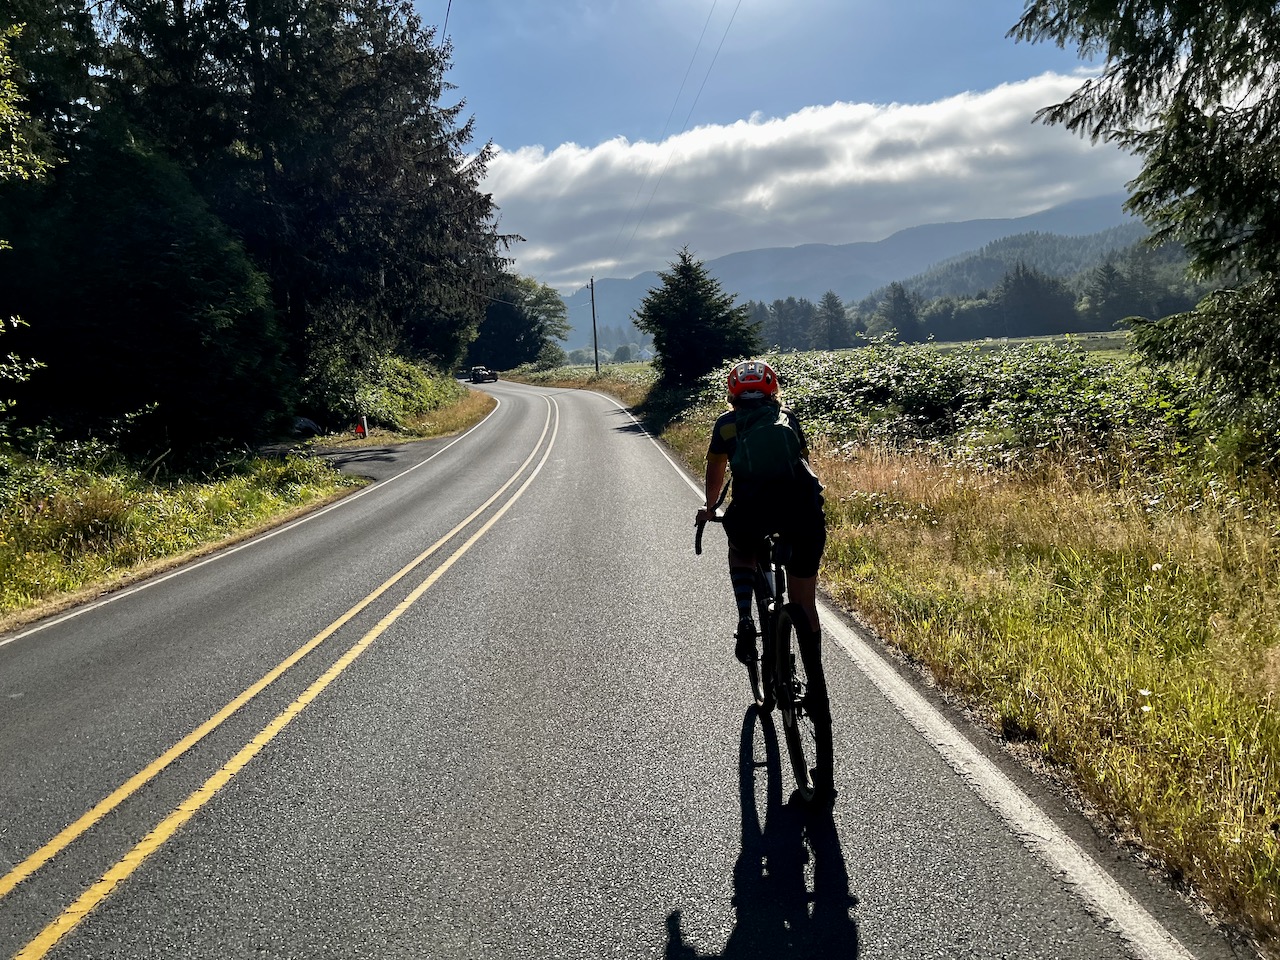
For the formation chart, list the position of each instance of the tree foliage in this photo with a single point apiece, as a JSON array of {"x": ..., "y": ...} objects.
[
  {"x": 694, "y": 323},
  {"x": 1235, "y": 390},
  {"x": 898, "y": 313},
  {"x": 191, "y": 355},
  {"x": 1192, "y": 88},
  {"x": 523, "y": 319},
  {"x": 17, "y": 161},
  {"x": 318, "y": 142},
  {"x": 831, "y": 329}
]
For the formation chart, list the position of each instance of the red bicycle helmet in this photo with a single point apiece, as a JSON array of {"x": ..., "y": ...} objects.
[{"x": 752, "y": 380}]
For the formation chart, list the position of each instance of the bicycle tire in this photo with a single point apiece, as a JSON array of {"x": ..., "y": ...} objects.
[
  {"x": 790, "y": 688},
  {"x": 760, "y": 671}
]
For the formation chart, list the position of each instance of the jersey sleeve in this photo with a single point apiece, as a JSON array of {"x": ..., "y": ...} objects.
[{"x": 723, "y": 435}]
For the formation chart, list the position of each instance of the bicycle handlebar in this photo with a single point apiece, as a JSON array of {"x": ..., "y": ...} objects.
[
  {"x": 715, "y": 517},
  {"x": 697, "y": 537}
]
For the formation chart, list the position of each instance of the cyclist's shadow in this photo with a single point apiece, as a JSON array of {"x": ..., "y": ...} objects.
[{"x": 778, "y": 915}]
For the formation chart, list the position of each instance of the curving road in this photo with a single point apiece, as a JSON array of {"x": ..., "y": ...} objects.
[{"x": 487, "y": 707}]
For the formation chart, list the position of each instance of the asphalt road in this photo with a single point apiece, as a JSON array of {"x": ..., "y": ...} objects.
[{"x": 488, "y": 707}]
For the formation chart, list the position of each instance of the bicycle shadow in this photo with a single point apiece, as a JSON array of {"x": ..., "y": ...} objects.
[{"x": 778, "y": 915}]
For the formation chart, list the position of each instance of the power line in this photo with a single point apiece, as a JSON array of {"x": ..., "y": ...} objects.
[
  {"x": 687, "y": 118},
  {"x": 665, "y": 126}
]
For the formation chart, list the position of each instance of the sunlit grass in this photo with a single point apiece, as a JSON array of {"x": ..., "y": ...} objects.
[
  {"x": 1129, "y": 634},
  {"x": 629, "y": 382},
  {"x": 66, "y": 529}
]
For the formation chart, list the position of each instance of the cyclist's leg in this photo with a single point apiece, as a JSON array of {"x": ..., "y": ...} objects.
[
  {"x": 818, "y": 707},
  {"x": 804, "y": 594},
  {"x": 805, "y": 527},
  {"x": 738, "y": 527}
]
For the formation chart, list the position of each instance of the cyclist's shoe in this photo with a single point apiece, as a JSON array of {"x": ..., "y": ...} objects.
[{"x": 745, "y": 649}]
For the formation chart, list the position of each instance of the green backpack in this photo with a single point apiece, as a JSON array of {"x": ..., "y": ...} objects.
[{"x": 767, "y": 447}]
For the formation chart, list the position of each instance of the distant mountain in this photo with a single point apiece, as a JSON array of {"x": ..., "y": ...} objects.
[
  {"x": 852, "y": 270},
  {"x": 1052, "y": 254}
]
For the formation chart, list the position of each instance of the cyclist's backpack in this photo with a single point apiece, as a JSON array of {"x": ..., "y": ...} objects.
[{"x": 768, "y": 447}]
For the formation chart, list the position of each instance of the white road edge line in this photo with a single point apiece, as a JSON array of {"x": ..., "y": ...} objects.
[
  {"x": 1102, "y": 894},
  {"x": 221, "y": 554}
]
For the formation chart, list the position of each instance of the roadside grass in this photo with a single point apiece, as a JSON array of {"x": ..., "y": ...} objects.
[
  {"x": 1114, "y": 616},
  {"x": 1129, "y": 636},
  {"x": 83, "y": 522},
  {"x": 629, "y": 382},
  {"x": 445, "y": 421},
  {"x": 67, "y": 528}
]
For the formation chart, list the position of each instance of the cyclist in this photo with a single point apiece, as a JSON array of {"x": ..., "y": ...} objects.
[{"x": 771, "y": 497}]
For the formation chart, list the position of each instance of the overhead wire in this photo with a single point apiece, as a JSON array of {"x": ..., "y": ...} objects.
[
  {"x": 685, "y": 126},
  {"x": 665, "y": 127}
]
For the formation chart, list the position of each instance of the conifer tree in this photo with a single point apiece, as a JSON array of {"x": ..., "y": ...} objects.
[
  {"x": 1193, "y": 88},
  {"x": 694, "y": 323}
]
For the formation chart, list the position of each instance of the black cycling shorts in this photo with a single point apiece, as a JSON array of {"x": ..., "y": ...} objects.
[{"x": 799, "y": 519}]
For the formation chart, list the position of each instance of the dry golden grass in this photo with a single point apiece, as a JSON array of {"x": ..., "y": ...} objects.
[{"x": 1130, "y": 636}]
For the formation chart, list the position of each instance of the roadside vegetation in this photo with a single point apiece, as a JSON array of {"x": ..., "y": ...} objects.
[
  {"x": 629, "y": 382},
  {"x": 1037, "y": 530},
  {"x": 80, "y": 518}
]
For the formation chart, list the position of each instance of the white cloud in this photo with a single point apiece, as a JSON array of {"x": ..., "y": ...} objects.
[{"x": 829, "y": 174}]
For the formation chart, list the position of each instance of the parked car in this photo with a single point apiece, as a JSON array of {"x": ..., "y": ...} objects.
[{"x": 481, "y": 374}]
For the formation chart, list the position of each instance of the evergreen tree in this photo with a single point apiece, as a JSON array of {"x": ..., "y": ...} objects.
[
  {"x": 1193, "y": 89},
  {"x": 831, "y": 329},
  {"x": 1109, "y": 298},
  {"x": 1034, "y": 304},
  {"x": 167, "y": 326},
  {"x": 694, "y": 323},
  {"x": 899, "y": 312},
  {"x": 318, "y": 133},
  {"x": 789, "y": 323}
]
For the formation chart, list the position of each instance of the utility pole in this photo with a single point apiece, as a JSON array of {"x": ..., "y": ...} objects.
[{"x": 595, "y": 339}]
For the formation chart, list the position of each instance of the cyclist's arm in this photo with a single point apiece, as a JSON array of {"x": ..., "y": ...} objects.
[{"x": 717, "y": 466}]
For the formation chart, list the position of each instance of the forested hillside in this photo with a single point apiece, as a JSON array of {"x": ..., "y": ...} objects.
[
  {"x": 1022, "y": 286},
  {"x": 1054, "y": 254}
]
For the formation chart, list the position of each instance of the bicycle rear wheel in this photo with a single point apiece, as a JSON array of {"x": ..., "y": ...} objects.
[{"x": 791, "y": 686}]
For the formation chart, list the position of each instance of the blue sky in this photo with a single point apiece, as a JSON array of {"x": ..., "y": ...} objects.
[{"x": 626, "y": 130}]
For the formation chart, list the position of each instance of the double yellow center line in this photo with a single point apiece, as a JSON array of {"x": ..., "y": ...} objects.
[{"x": 99, "y": 891}]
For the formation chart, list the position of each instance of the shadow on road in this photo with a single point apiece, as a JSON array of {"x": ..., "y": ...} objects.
[
  {"x": 629, "y": 425},
  {"x": 783, "y": 910}
]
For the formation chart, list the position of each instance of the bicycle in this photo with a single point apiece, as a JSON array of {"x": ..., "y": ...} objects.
[{"x": 779, "y": 676}]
